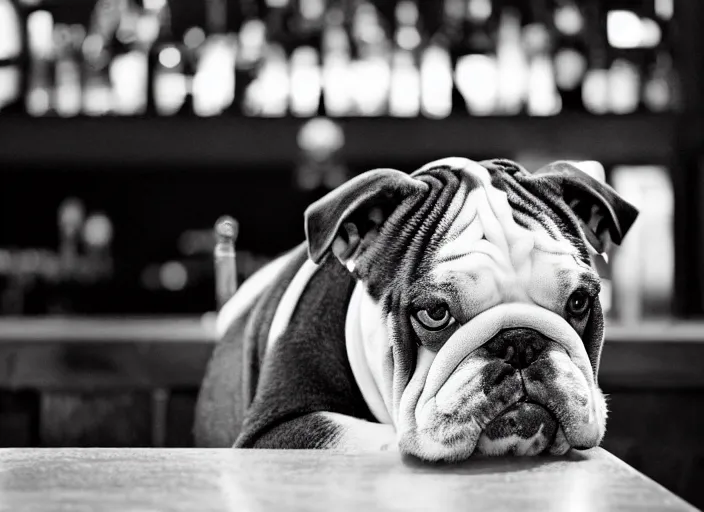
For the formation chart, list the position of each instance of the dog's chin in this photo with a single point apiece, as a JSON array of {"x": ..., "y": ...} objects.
[{"x": 524, "y": 429}]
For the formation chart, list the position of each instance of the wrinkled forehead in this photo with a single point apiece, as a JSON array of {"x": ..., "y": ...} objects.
[
  {"x": 492, "y": 218},
  {"x": 474, "y": 215}
]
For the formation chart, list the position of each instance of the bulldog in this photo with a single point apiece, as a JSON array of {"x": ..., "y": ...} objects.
[{"x": 445, "y": 313}]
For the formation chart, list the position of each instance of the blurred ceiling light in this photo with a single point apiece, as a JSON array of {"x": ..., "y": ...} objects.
[
  {"x": 479, "y": 10},
  {"x": 569, "y": 20},
  {"x": 624, "y": 29},
  {"x": 436, "y": 82},
  {"x": 476, "y": 79},
  {"x": 277, "y": 3},
  {"x": 10, "y": 38},
  {"x": 664, "y": 8},
  {"x": 170, "y": 57},
  {"x": 320, "y": 135},
  {"x": 40, "y": 28},
  {"x": 194, "y": 37},
  {"x": 154, "y": 5}
]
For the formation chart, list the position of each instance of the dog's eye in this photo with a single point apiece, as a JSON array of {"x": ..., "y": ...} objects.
[
  {"x": 436, "y": 318},
  {"x": 578, "y": 303}
]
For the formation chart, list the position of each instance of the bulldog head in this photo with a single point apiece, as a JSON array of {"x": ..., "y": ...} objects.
[{"x": 476, "y": 316}]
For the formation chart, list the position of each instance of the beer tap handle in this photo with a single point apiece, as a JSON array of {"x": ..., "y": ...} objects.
[{"x": 226, "y": 229}]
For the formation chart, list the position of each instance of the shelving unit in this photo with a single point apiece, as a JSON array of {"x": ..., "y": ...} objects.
[{"x": 233, "y": 141}]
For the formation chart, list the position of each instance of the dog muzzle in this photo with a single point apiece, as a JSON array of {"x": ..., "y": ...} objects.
[{"x": 516, "y": 379}]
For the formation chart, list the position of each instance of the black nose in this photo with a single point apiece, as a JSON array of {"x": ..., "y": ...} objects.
[{"x": 518, "y": 347}]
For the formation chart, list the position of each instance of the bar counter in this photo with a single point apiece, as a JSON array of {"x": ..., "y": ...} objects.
[
  {"x": 261, "y": 480},
  {"x": 68, "y": 353}
]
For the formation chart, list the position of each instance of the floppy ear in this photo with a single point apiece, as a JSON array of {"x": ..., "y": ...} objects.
[
  {"x": 604, "y": 215},
  {"x": 349, "y": 218}
]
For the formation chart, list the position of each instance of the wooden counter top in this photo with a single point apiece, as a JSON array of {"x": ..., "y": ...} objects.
[{"x": 261, "y": 480}]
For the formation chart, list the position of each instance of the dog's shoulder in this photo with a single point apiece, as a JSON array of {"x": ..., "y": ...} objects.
[{"x": 305, "y": 368}]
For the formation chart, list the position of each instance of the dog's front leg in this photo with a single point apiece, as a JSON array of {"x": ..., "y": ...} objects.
[{"x": 325, "y": 430}]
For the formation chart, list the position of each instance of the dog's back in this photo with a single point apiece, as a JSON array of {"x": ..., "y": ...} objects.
[{"x": 244, "y": 325}]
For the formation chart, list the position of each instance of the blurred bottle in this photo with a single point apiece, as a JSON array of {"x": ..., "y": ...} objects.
[
  {"x": 543, "y": 98},
  {"x": 11, "y": 53},
  {"x": 595, "y": 86},
  {"x": 168, "y": 86},
  {"x": 99, "y": 47},
  {"x": 474, "y": 55},
  {"x": 67, "y": 98},
  {"x": 250, "y": 39},
  {"x": 659, "y": 84},
  {"x": 570, "y": 56},
  {"x": 624, "y": 86},
  {"x": 268, "y": 94},
  {"x": 405, "y": 89},
  {"x": 97, "y": 235},
  {"x": 371, "y": 67},
  {"x": 436, "y": 80},
  {"x": 40, "y": 29},
  {"x": 643, "y": 266},
  {"x": 135, "y": 33},
  {"x": 254, "y": 55},
  {"x": 512, "y": 65},
  {"x": 306, "y": 81},
  {"x": 337, "y": 72}
]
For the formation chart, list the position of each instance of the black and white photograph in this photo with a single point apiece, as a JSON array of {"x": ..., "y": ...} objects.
[{"x": 346, "y": 255}]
